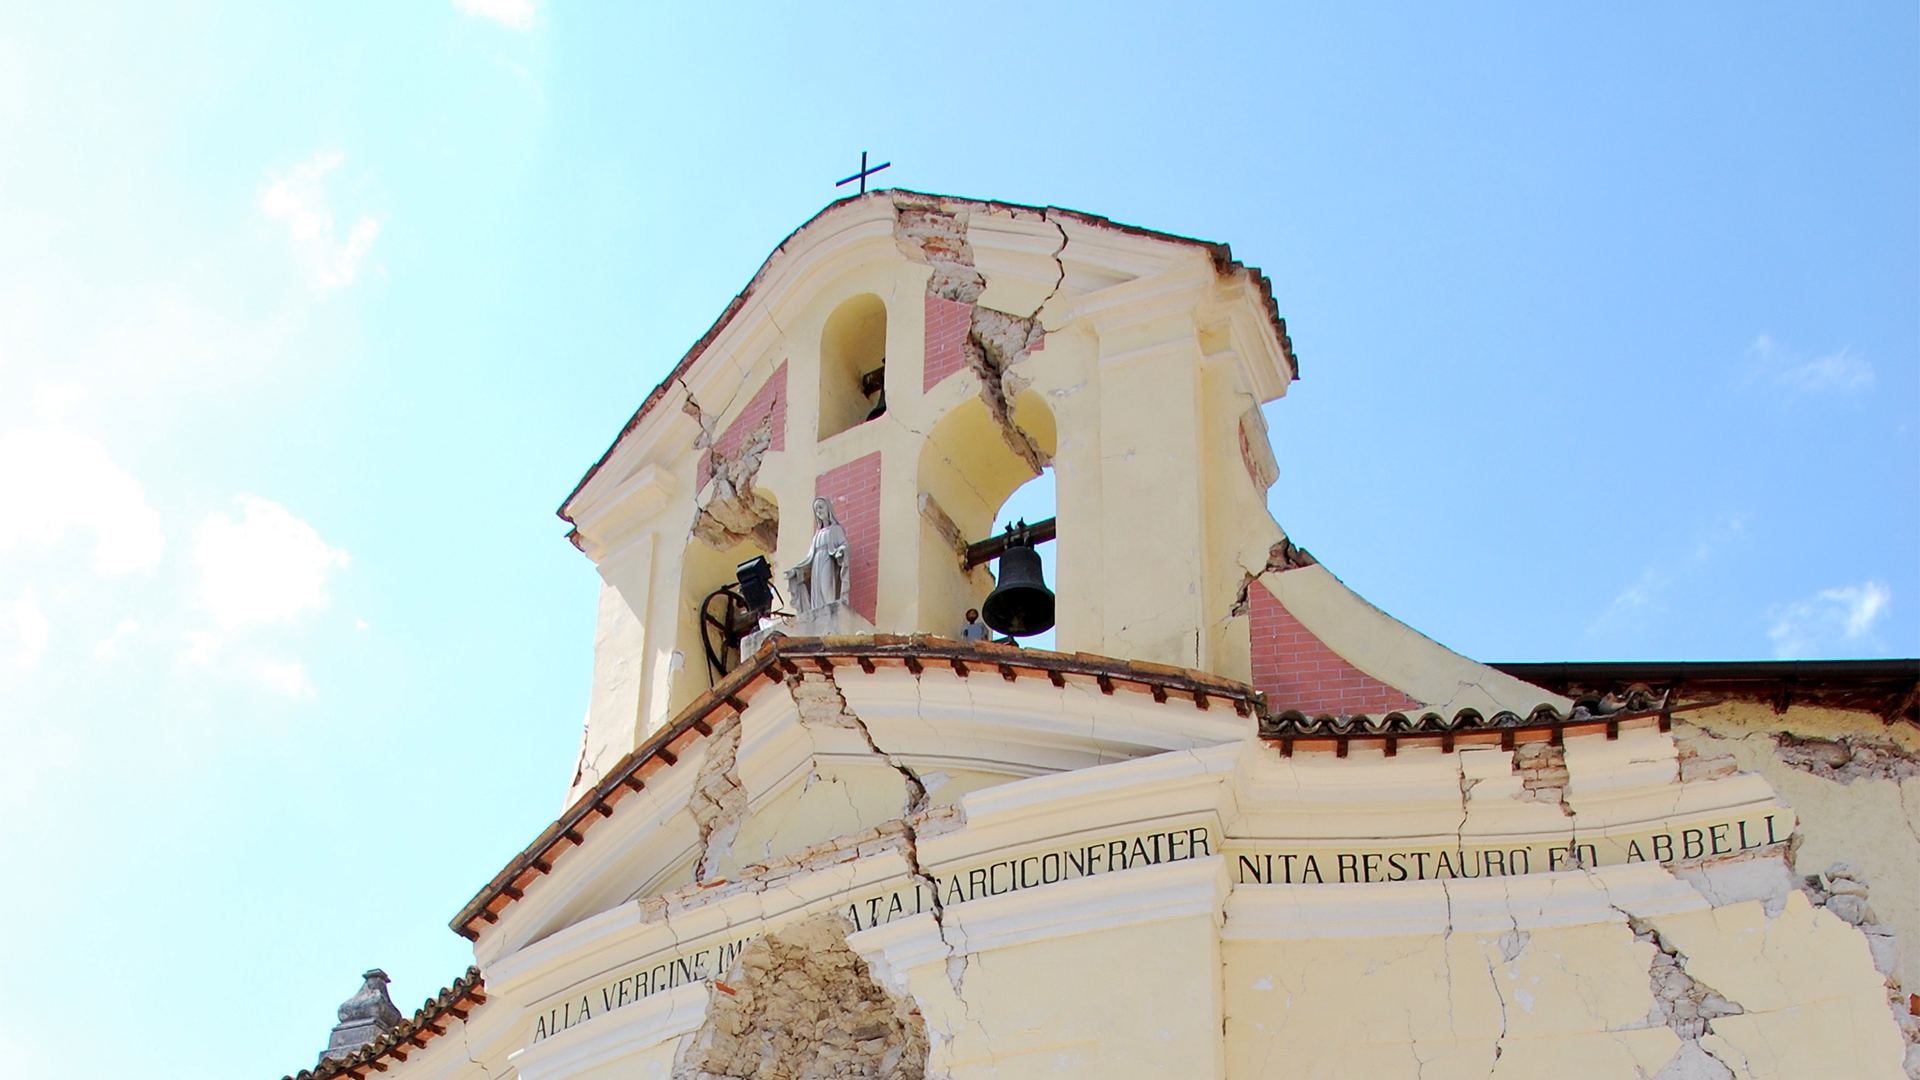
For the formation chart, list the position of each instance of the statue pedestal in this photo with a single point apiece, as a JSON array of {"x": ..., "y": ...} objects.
[{"x": 831, "y": 620}]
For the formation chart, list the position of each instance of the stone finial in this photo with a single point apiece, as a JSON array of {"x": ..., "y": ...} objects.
[{"x": 364, "y": 1017}]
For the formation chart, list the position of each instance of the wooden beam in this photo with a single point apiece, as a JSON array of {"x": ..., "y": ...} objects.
[{"x": 985, "y": 551}]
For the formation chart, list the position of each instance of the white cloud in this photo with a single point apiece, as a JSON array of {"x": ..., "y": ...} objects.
[
  {"x": 31, "y": 627},
  {"x": 516, "y": 14},
  {"x": 52, "y": 478},
  {"x": 288, "y": 679},
  {"x": 107, "y": 648},
  {"x": 267, "y": 567},
  {"x": 1648, "y": 592},
  {"x": 1832, "y": 619},
  {"x": 299, "y": 200},
  {"x": 200, "y": 647},
  {"x": 1835, "y": 373}
]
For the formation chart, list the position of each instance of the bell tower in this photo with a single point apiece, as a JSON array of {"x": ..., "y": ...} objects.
[{"x": 912, "y": 360}]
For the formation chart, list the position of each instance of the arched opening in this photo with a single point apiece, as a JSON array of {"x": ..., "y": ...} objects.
[
  {"x": 853, "y": 364},
  {"x": 713, "y": 554},
  {"x": 1033, "y": 502},
  {"x": 967, "y": 474}
]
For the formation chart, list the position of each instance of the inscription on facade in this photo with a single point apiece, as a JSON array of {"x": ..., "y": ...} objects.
[
  {"x": 993, "y": 879},
  {"x": 1255, "y": 866},
  {"x": 1030, "y": 871},
  {"x": 641, "y": 982},
  {"x": 1319, "y": 866}
]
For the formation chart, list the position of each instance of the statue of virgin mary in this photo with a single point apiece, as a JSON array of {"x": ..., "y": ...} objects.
[{"x": 821, "y": 576}]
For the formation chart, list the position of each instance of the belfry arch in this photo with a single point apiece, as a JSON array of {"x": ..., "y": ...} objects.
[
  {"x": 853, "y": 358},
  {"x": 709, "y": 562},
  {"x": 965, "y": 473}
]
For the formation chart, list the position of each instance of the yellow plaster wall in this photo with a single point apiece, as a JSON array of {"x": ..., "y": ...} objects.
[
  {"x": 1872, "y": 823},
  {"x": 1814, "y": 1005},
  {"x": 1139, "y": 1001},
  {"x": 833, "y": 799},
  {"x": 1549, "y": 1001}
]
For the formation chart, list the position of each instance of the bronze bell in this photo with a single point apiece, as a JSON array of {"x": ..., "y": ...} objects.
[{"x": 1020, "y": 604}]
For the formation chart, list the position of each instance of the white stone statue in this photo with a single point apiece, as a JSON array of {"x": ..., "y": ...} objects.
[{"x": 821, "y": 577}]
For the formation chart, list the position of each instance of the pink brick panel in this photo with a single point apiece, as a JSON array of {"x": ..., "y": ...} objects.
[
  {"x": 768, "y": 401},
  {"x": 1297, "y": 670},
  {"x": 854, "y": 490},
  {"x": 948, "y": 322}
]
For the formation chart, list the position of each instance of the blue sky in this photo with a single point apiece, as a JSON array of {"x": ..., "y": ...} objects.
[{"x": 310, "y": 316}]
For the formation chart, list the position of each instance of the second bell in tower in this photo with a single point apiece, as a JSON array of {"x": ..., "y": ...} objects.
[{"x": 1020, "y": 604}]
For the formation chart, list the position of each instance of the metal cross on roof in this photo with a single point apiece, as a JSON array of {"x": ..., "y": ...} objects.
[{"x": 863, "y": 173}]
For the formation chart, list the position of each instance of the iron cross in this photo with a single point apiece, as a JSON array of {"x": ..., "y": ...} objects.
[{"x": 863, "y": 173}]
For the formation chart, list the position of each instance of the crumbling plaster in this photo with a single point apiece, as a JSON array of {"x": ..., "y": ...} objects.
[
  {"x": 800, "y": 851},
  {"x": 1710, "y": 968},
  {"x": 1871, "y": 821},
  {"x": 1146, "y": 355}
]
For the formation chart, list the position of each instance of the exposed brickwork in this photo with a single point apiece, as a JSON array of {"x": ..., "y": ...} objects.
[
  {"x": 769, "y": 403},
  {"x": 1296, "y": 670},
  {"x": 854, "y": 489},
  {"x": 947, "y": 324}
]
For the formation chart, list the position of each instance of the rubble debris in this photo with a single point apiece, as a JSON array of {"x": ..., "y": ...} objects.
[
  {"x": 800, "y": 1005},
  {"x": 719, "y": 802},
  {"x": 1695, "y": 766},
  {"x": 1842, "y": 889},
  {"x": 1542, "y": 767},
  {"x": 1848, "y": 758},
  {"x": 730, "y": 510},
  {"x": 1282, "y": 556},
  {"x": 1684, "y": 1004}
]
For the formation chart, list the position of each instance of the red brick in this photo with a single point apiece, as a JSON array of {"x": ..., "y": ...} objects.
[
  {"x": 854, "y": 490},
  {"x": 768, "y": 401},
  {"x": 1297, "y": 670},
  {"x": 947, "y": 324}
]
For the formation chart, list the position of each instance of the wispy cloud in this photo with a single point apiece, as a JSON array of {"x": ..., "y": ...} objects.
[
  {"x": 516, "y": 14},
  {"x": 299, "y": 201},
  {"x": 108, "y": 648},
  {"x": 52, "y": 479},
  {"x": 1831, "y": 620},
  {"x": 1835, "y": 373},
  {"x": 30, "y": 630},
  {"x": 289, "y": 679},
  {"x": 1648, "y": 591},
  {"x": 267, "y": 567}
]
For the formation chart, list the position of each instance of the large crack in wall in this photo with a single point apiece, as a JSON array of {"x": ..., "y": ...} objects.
[
  {"x": 1686, "y": 1005},
  {"x": 1842, "y": 889},
  {"x": 800, "y": 1005},
  {"x": 927, "y": 231},
  {"x": 730, "y": 511},
  {"x": 719, "y": 802},
  {"x": 1282, "y": 556}
]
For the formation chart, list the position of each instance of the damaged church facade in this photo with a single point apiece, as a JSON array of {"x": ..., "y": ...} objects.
[{"x": 1240, "y": 824}]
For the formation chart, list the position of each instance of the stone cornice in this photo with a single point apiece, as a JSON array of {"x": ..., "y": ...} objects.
[{"x": 782, "y": 658}]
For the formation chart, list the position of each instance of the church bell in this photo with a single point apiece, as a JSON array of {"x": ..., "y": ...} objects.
[{"x": 1020, "y": 604}]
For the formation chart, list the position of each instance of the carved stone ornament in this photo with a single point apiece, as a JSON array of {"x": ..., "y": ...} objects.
[{"x": 364, "y": 1017}]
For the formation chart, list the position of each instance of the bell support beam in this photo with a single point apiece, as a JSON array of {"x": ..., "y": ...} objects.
[{"x": 985, "y": 551}]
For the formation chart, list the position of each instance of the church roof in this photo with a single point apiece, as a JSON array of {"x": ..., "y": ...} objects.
[
  {"x": 1221, "y": 254},
  {"x": 429, "y": 1022},
  {"x": 1625, "y": 700}
]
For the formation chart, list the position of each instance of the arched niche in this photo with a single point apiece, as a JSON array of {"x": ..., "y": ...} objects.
[
  {"x": 853, "y": 357},
  {"x": 703, "y": 568},
  {"x": 966, "y": 472}
]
